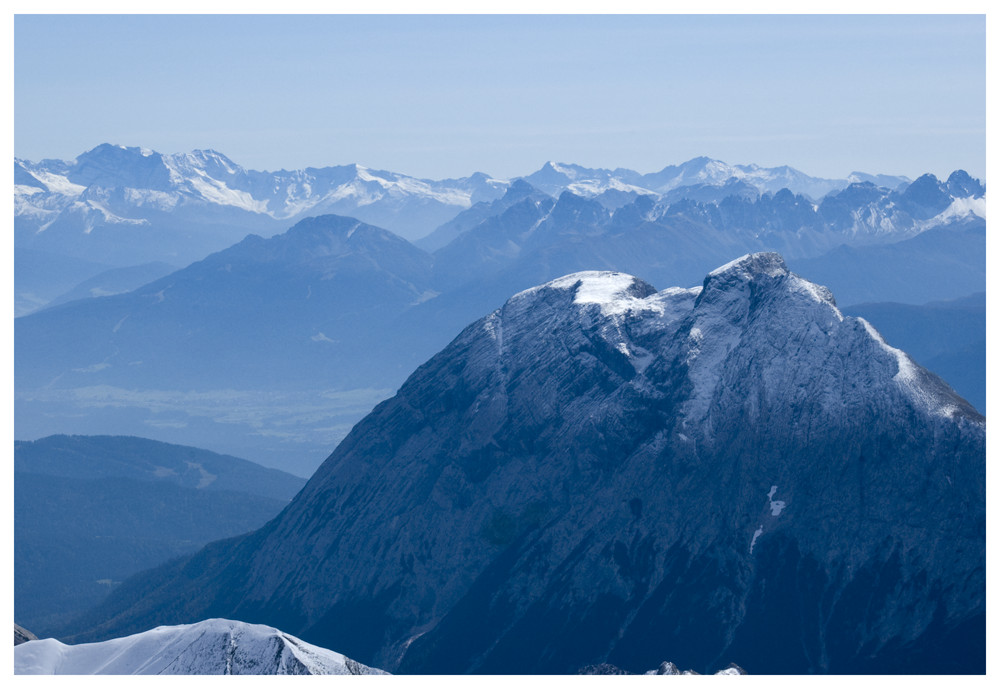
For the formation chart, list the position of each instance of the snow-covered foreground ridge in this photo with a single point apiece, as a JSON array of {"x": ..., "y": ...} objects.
[{"x": 210, "y": 647}]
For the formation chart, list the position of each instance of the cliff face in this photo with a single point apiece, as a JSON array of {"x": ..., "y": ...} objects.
[{"x": 599, "y": 472}]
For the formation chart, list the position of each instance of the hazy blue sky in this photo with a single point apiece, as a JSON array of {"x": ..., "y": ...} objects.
[{"x": 443, "y": 96}]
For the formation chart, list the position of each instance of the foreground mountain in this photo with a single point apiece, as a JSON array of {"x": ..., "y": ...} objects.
[
  {"x": 211, "y": 647},
  {"x": 599, "y": 472},
  {"x": 90, "y": 511}
]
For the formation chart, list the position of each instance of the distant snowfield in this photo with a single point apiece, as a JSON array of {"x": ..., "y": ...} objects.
[
  {"x": 960, "y": 208},
  {"x": 210, "y": 647}
]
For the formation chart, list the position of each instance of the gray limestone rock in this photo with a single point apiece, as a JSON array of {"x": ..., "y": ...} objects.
[{"x": 599, "y": 472}]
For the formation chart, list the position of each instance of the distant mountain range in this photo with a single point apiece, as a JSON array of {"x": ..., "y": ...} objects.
[
  {"x": 124, "y": 206},
  {"x": 116, "y": 207},
  {"x": 133, "y": 205},
  {"x": 697, "y": 173},
  {"x": 272, "y": 348},
  {"x": 598, "y": 471}
]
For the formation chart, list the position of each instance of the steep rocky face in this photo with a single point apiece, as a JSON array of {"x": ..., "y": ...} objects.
[{"x": 601, "y": 473}]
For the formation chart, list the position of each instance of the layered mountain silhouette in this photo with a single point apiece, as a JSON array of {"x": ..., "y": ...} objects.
[
  {"x": 90, "y": 511},
  {"x": 124, "y": 206},
  {"x": 598, "y": 472},
  {"x": 269, "y": 328},
  {"x": 253, "y": 311},
  {"x": 137, "y": 205}
]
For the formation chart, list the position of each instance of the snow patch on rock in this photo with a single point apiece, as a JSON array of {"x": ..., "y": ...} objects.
[
  {"x": 775, "y": 505},
  {"x": 909, "y": 378}
]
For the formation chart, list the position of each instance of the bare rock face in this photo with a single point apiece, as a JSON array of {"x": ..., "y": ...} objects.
[
  {"x": 599, "y": 472},
  {"x": 21, "y": 635}
]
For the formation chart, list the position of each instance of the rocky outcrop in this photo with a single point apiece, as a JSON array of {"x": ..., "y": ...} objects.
[{"x": 22, "y": 635}]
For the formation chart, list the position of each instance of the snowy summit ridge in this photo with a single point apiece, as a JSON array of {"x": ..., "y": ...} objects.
[
  {"x": 716, "y": 319},
  {"x": 614, "y": 292},
  {"x": 210, "y": 647}
]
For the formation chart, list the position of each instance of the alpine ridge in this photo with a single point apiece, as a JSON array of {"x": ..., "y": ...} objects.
[
  {"x": 599, "y": 472},
  {"x": 210, "y": 647},
  {"x": 130, "y": 205}
]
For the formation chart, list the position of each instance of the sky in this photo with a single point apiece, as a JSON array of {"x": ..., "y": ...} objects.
[{"x": 444, "y": 96}]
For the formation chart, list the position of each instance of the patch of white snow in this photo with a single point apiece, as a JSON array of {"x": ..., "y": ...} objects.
[{"x": 775, "y": 505}]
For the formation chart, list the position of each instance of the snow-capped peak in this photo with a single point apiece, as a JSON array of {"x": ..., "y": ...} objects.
[
  {"x": 752, "y": 309},
  {"x": 613, "y": 292},
  {"x": 959, "y": 209},
  {"x": 210, "y": 647},
  {"x": 751, "y": 266},
  {"x": 767, "y": 263}
]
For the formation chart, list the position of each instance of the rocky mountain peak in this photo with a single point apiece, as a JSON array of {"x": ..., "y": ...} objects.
[
  {"x": 962, "y": 185},
  {"x": 746, "y": 278},
  {"x": 111, "y": 166},
  {"x": 597, "y": 471},
  {"x": 518, "y": 189},
  {"x": 749, "y": 267}
]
